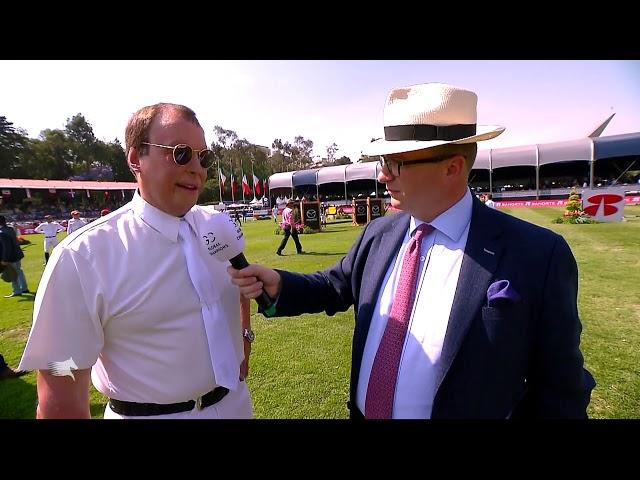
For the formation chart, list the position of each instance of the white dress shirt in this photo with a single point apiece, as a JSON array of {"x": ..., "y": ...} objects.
[
  {"x": 75, "y": 224},
  {"x": 117, "y": 296},
  {"x": 442, "y": 252},
  {"x": 50, "y": 229}
]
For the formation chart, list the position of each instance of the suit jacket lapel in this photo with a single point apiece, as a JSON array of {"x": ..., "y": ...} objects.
[
  {"x": 375, "y": 270},
  {"x": 481, "y": 256}
]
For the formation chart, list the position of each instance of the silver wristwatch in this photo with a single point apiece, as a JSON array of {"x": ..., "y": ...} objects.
[{"x": 249, "y": 335}]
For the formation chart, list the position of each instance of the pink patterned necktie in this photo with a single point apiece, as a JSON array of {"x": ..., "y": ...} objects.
[{"x": 384, "y": 373}]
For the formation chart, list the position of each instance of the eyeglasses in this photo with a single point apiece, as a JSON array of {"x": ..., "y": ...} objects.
[
  {"x": 182, "y": 154},
  {"x": 393, "y": 166}
]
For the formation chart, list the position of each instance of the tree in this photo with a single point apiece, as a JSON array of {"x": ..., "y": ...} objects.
[
  {"x": 53, "y": 155},
  {"x": 280, "y": 149},
  {"x": 344, "y": 160},
  {"x": 211, "y": 192},
  {"x": 79, "y": 130},
  {"x": 331, "y": 153},
  {"x": 112, "y": 155},
  {"x": 230, "y": 150},
  {"x": 82, "y": 141},
  {"x": 302, "y": 153},
  {"x": 225, "y": 137},
  {"x": 13, "y": 143}
]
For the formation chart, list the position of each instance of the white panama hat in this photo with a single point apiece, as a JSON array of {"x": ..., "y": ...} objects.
[{"x": 428, "y": 115}]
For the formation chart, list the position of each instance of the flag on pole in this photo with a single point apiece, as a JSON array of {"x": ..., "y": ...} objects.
[
  {"x": 245, "y": 185},
  {"x": 223, "y": 179},
  {"x": 256, "y": 185},
  {"x": 234, "y": 187}
]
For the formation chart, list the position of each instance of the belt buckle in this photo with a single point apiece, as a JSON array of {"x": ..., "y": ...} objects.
[{"x": 199, "y": 403}]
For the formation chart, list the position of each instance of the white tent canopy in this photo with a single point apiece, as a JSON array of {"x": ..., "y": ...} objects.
[
  {"x": 581, "y": 149},
  {"x": 281, "y": 180},
  {"x": 482, "y": 160},
  {"x": 335, "y": 174},
  {"x": 361, "y": 171},
  {"x": 514, "y": 157},
  {"x": 535, "y": 155}
]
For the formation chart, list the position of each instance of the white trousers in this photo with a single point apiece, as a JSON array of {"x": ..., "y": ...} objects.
[
  {"x": 49, "y": 243},
  {"x": 235, "y": 405}
]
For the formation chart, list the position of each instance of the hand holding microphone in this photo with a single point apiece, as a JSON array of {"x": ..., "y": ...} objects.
[{"x": 226, "y": 243}]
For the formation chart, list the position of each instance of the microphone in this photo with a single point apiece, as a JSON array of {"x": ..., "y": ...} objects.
[{"x": 225, "y": 242}]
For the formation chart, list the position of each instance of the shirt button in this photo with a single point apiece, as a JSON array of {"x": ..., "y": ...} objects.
[{"x": 422, "y": 258}]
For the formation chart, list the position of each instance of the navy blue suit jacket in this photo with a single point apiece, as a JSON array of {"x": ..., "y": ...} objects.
[{"x": 513, "y": 360}]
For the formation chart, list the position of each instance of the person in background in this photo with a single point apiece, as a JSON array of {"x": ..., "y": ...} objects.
[
  {"x": 461, "y": 311},
  {"x": 148, "y": 315},
  {"x": 11, "y": 253},
  {"x": 104, "y": 212},
  {"x": 50, "y": 230},
  {"x": 323, "y": 214},
  {"x": 75, "y": 222},
  {"x": 289, "y": 227},
  {"x": 489, "y": 200},
  {"x": 7, "y": 372}
]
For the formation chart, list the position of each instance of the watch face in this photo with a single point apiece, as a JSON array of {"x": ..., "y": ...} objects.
[{"x": 249, "y": 335}]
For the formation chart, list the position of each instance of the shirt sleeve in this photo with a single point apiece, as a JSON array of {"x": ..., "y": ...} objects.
[{"x": 66, "y": 315}]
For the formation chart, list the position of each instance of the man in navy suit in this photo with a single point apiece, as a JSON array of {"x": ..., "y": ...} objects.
[{"x": 461, "y": 311}]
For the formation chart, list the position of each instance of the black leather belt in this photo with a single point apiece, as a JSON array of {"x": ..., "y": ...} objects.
[{"x": 133, "y": 409}]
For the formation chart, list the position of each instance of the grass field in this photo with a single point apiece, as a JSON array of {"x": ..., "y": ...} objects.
[{"x": 300, "y": 365}]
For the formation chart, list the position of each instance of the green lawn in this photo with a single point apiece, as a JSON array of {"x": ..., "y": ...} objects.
[{"x": 300, "y": 365}]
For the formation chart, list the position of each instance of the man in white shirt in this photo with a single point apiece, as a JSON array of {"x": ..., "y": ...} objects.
[
  {"x": 50, "y": 230},
  {"x": 75, "y": 223},
  {"x": 461, "y": 311},
  {"x": 134, "y": 304},
  {"x": 489, "y": 200}
]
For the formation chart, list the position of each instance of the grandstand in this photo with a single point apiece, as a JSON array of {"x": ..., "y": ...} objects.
[
  {"x": 26, "y": 200},
  {"x": 538, "y": 171}
]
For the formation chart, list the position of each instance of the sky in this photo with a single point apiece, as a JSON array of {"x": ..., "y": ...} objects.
[{"x": 324, "y": 101}]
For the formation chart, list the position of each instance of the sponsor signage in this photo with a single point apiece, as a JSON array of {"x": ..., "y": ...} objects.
[
  {"x": 605, "y": 205},
  {"x": 311, "y": 215},
  {"x": 375, "y": 208},
  {"x": 360, "y": 211}
]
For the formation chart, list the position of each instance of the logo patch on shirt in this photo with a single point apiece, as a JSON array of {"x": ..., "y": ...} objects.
[{"x": 63, "y": 369}]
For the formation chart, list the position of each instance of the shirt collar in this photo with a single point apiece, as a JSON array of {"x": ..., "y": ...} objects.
[
  {"x": 160, "y": 221},
  {"x": 451, "y": 222}
]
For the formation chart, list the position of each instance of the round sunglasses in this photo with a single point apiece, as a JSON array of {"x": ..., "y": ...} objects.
[{"x": 182, "y": 154}]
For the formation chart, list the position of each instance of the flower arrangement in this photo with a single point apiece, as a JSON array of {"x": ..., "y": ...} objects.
[
  {"x": 573, "y": 212},
  {"x": 300, "y": 228}
]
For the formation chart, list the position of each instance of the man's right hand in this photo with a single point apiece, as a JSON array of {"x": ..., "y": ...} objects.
[{"x": 252, "y": 279}]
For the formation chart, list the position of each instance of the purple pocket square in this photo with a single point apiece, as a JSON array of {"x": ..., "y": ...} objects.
[{"x": 501, "y": 291}]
